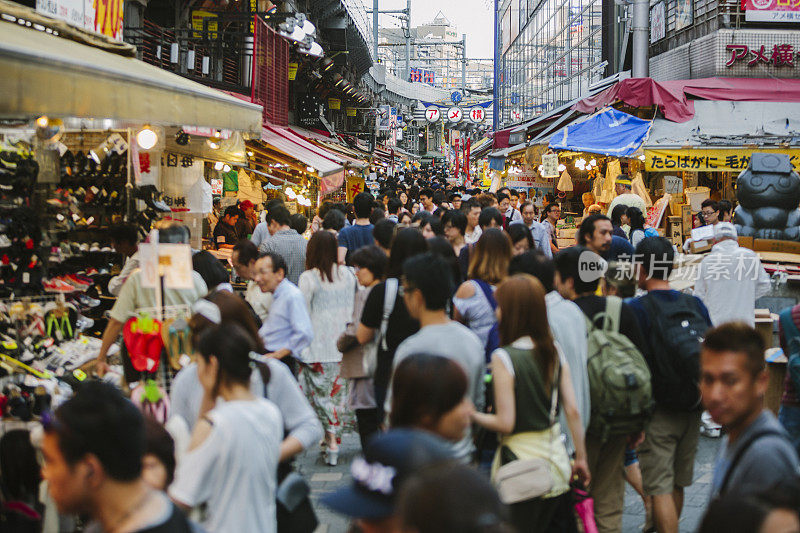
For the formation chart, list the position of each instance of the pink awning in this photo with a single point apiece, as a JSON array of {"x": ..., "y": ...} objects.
[{"x": 672, "y": 97}]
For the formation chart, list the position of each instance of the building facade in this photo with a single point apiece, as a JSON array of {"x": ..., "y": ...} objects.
[
  {"x": 708, "y": 38},
  {"x": 548, "y": 53}
]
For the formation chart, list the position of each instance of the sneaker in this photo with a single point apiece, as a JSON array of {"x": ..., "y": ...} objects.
[
  {"x": 95, "y": 247},
  {"x": 57, "y": 285},
  {"x": 77, "y": 281},
  {"x": 87, "y": 301},
  {"x": 5, "y": 242},
  {"x": 83, "y": 323}
]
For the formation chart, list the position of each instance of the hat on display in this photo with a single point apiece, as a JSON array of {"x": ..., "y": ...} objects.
[
  {"x": 725, "y": 230},
  {"x": 389, "y": 459}
]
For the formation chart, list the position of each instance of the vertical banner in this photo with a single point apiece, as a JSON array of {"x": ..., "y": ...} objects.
[
  {"x": 466, "y": 157},
  {"x": 457, "y": 144}
]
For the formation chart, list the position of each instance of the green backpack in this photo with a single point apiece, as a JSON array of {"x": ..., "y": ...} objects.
[{"x": 619, "y": 378}]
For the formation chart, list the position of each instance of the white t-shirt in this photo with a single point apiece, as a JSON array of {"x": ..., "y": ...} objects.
[{"x": 235, "y": 469}]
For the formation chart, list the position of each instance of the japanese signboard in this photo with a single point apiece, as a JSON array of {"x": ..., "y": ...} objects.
[
  {"x": 102, "y": 16},
  {"x": 423, "y": 76},
  {"x": 550, "y": 165},
  {"x": 772, "y": 10},
  {"x": 454, "y": 114},
  {"x": 198, "y": 22},
  {"x": 293, "y": 71},
  {"x": 351, "y": 111},
  {"x": 778, "y": 55},
  {"x": 709, "y": 160},
  {"x": 432, "y": 114},
  {"x": 658, "y": 25},
  {"x": 355, "y": 185},
  {"x": 334, "y": 103},
  {"x": 477, "y": 114}
]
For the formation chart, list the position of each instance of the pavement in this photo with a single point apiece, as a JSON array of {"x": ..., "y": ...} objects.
[{"x": 323, "y": 478}]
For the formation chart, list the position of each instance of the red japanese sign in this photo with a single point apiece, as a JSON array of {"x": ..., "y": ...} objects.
[
  {"x": 772, "y": 10},
  {"x": 777, "y": 54}
]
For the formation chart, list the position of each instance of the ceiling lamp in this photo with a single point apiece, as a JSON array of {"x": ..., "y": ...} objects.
[
  {"x": 305, "y": 24},
  {"x": 327, "y": 64}
]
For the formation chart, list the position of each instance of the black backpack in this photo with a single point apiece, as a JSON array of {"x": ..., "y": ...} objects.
[{"x": 677, "y": 329}]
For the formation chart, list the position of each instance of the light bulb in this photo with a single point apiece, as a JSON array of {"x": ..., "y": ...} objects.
[
  {"x": 42, "y": 121},
  {"x": 562, "y": 168},
  {"x": 249, "y": 153},
  {"x": 146, "y": 138},
  {"x": 593, "y": 163},
  {"x": 226, "y": 168},
  {"x": 311, "y": 169},
  {"x": 641, "y": 157},
  {"x": 219, "y": 165}
]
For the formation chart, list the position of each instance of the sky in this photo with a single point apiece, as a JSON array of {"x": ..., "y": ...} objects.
[{"x": 473, "y": 17}]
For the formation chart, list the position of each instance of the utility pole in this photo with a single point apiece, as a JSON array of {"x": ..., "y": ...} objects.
[
  {"x": 464, "y": 61},
  {"x": 375, "y": 29},
  {"x": 408, "y": 40},
  {"x": 641, "y": 38}
]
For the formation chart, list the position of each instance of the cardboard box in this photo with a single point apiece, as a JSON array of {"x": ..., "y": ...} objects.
[
  {"x": 675, "y": 230},
  {"x": 746, "y": 242},
  {"x": 686, "y": 218},
  {"x": 772, "y": 245},
  {"x": 699, "y": 247}
]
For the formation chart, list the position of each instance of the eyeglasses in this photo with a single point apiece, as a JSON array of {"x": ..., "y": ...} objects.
[{"x": 707, "y": 212}]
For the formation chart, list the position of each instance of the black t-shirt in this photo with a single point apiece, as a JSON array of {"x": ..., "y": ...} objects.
[
  {"x": 175, "y": 523},
  {"x": 225, "y": 234},
  {"x": 628, "y": 325},
  {"x": 399, "y": 328}
]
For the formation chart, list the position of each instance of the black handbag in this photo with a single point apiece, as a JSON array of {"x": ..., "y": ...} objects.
[{"x": 294, "y": 510}]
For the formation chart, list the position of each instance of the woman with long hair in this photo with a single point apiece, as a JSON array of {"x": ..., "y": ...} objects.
[
  {"x": 488, "y": 265},
  {"x": 429, "y": 392},
  {"x": 329, "y": 289},
  {"x": 528, "y": 373},
  {"x": 636, "y": 221},
  {"x": 232, "y": 460}
]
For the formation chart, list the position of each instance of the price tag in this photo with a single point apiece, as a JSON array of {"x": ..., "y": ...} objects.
[
  {"x": 26, "y": 277},
  {"x": 94, "y": 189}
]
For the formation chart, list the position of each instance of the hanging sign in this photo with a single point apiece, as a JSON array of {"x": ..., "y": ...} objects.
[
  {"x": 351, "y": 111},
  {"x": 516, "y": 114},
  {"x": 454, "y": 114},
  {"x": 293, "y": 71},
  {"x": 477, "y": 115},
  {"x": 432, "y": 114},
  {"x": 771, "y": 11},
  {"x": 550, "y": 165},
  {"x": 334, "y": 103},
  {"x": 355, "y": 185}
]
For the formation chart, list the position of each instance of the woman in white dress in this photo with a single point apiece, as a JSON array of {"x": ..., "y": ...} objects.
[{"x": 329, "y": 289}]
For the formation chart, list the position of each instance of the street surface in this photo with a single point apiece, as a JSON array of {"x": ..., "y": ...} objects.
[{"x": 323, "y": 478}]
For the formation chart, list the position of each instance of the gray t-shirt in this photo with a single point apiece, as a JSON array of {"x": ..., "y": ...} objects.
[
  {"x": 767, "y": 461},
  {"x": 457, "y": 342}
]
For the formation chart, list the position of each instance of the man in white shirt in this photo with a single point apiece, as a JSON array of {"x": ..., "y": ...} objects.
[
  {"x": 427, "y": 286},
  {"x": 731, "y": 279},
  {"x": 625, "y": 196},
  {"x": 473, "y": 231},
  {"x": 540, "y": 234},
  {"x": 243, "y": 258}
]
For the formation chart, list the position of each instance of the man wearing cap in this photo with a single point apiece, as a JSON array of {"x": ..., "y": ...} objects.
[
  {"x": 622, "y": 186},
  {"x": 389, "y": 460},
  {"x": 247, "y": 223},
  {"x": 730, "y": 279}
]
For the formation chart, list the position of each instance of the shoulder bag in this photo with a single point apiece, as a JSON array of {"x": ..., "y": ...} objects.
[{"x": 524, "y": 479}]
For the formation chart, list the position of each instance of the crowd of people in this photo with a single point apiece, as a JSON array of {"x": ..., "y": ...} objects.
[{"x": 489, "y": 379}]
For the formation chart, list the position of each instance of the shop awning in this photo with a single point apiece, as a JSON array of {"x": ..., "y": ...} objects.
[
  {"x": 497, "y": 159},
  {"x": 480, "y": 148},
  {"x": 319, "y": 147},
  {"x": 607, "y": 132},
  {"x": 324, "y": 166},
  {"x": 672, "y": 97},
  {"x": 57, "y": 77},
  {"x": 404, "y": 154}
]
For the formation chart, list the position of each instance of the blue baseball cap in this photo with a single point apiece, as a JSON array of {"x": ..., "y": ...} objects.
[{"x": 389, "y": 459}]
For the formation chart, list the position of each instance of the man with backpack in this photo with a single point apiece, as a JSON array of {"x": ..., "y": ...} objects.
[
  {"x": 619, "y": 383},
  {"x": 756, "y": 453},
  {"x": 676, "y": 324}
]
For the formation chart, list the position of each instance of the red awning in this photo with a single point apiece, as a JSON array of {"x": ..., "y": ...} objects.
[{"x": 672, "y": 97}]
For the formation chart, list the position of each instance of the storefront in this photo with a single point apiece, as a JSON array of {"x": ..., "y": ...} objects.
[{"x": 91, "y": 138}]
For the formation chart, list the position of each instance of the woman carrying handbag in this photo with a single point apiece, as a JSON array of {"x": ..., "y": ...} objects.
[{"x": 531, "y": 468}]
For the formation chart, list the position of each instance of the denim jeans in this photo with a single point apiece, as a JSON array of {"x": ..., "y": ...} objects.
[{"x": 789, "y": 417}]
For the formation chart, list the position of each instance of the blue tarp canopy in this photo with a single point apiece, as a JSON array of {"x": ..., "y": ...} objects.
[{"x": 607, "y": 132}]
